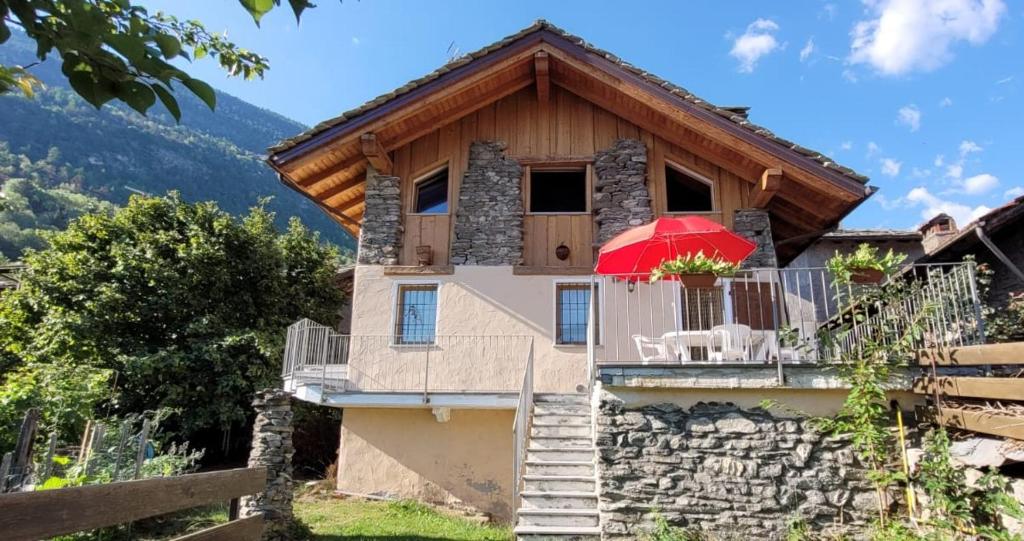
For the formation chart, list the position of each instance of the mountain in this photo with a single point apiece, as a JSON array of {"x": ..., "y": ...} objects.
[{"x": 211, "y": 155}]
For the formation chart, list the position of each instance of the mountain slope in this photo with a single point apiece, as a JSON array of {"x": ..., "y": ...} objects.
[{"x": 210, "y": 156}]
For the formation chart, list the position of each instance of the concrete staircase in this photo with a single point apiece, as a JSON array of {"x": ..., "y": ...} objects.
[{"x": 559, "y": 497}]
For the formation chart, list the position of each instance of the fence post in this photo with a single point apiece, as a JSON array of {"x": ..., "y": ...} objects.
[
  {"x": 141, "y": 453},
  {"x": 121, "y": 442},
  {"x": 51, "y": 449},
  {"x": 22, "y": 464},
  {"x": 972, "y": 273},
  {"x": 98, "y": 432},
  {"x": 5, "y": 468}
]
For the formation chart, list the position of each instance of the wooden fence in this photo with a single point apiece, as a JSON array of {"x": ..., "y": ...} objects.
[
  {"x": 26, "y": 516},
  {"x": 978, "y": 403}
]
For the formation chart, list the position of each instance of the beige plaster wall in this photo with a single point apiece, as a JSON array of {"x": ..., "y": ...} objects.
[
  {"x": 407, "y": 453},
  {"x": 814, "y": 402},
  {"x": 474, "y": 301}
]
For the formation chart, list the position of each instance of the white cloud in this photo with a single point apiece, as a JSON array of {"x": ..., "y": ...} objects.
[
  {"x": 846, "y": 145},
  {"x": 955, "y": 170},
  {"x": 979, "y": 184},
  {"x": 946, "y": 102},
  {"x": 850, "y": 76},
  {"x": 356, "y": 41},
  {"x": 808, "y": 49},
  {"x": 1014, "y": 192},
  {"x": 932, "y": 205},
  {"x": 829, "y": 11},
  {"x": 967, "y": 147},
  {"x": 917, "y": 172},
  {"x": 910, "y": 116},
  {"x": 1004, "y": 80},
  {"x": 939, "y": 160},
  {"x": 912, "y": 35},
  {"x": 889, "y": 204},
  {"x": 891, "y": 167},
  {"x": 756, "y": 42},
  {"x": 873, "y": 148}
]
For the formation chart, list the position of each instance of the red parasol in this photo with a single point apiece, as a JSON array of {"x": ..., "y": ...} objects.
[{"x": 637, "y": 251}]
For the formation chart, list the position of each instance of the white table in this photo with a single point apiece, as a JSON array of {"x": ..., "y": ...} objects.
[{"x": 680, "y": 342}]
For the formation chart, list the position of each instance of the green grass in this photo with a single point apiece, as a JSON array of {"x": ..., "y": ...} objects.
[{"x": 337, "y": 520}]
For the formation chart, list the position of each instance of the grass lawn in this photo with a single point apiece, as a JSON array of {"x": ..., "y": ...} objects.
[{"x": 333, "y": 519}]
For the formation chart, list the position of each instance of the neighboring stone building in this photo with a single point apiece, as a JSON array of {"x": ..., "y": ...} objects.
[
  {"x": 996, "y": 239},
  {"x": 481, "y": 194},
  {"x": 845, "y": 241}
]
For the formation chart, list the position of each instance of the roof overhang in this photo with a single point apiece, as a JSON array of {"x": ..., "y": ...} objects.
[{"x": 810, "y": 195}]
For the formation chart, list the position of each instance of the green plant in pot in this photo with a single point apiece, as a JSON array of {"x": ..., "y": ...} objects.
[
  {"x": 864, "y": 265},
  {"x": 694, "y": 270}
]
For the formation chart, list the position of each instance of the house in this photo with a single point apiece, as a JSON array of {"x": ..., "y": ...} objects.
[
  {"x": 996, "y": 239},
  {"x": 486, "y": 364}
]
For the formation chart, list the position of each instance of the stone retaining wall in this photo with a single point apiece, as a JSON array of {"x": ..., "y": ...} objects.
[
  {"x": 489, "y": 217},
  {"x": 380, "y": 237},
  {"x": 734, "y": 473}
]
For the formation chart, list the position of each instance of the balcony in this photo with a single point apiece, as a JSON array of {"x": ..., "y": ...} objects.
[
  {"x": 776, "y": 317},
  {"x": 321, "y": 365}
]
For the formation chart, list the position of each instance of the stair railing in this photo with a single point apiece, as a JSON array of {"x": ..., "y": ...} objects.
[{"x": 521, "y": 427}]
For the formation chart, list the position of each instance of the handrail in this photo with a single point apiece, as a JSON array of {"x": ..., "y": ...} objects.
[{"x": 521, "y": 427}]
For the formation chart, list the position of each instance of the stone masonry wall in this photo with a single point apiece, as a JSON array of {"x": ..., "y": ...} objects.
[
  {"x": 380, "y": 237},
  {"x": 734, "y": 473},
  {"x": 756, "y": 225},
  {"x": 272, "y": 448},
  {"x": 489, "y": 218},
  {"x": 621, "y": 198}
]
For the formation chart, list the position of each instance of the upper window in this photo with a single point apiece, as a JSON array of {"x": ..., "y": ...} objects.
[
  {"x": 432, "y": 193},
  {"x": 558, "y": 191},
  {"x": 572, "y": 312},
  {"x": 416, "y": 314},
  {"x": 685, "y": 192}
]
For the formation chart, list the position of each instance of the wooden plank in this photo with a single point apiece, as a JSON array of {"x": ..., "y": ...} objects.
[
  {"x": 246, "y": 529},
  {"x": 982, "y": 421},
  {"x": 47, "y": 513},
  {"x": 977, "y": 387},
  {"x": 765, "y": 190},
  {"x": 408, "y": 270},
  {"x": 375, "y": 154},
  {"x": 544, "y": 270},
  {"x": 978, "y": 355}
]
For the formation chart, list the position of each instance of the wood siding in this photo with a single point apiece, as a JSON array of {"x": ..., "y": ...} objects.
[{"x": 567, "y": 128}]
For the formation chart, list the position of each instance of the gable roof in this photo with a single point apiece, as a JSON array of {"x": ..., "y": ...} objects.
[
  {"x": 329, "y": 149},
  {"x": 1008, "y": 215}
]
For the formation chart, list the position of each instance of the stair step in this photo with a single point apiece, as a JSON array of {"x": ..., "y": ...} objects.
[
  {"x": 558, "y": 454},
  {"x": 560, "y": 468},
  {"x": 559, "y": 442},
  {"x": 553, "y": 533},
  {"x": 561, "y": 409},
  {"x": 561, "y": 399},
  {"x": 561, "y": 420},
  {"x": 559, "y": 517},
  {"x": 559, "y": 483},
  {"x": 560, "y": 430},
  {"x": 559, "y": 500}
]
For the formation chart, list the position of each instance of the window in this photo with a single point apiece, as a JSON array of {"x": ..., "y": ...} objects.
[
  {"x": 703, "y": 308},
  {"x": 558, "y": 191},
  {"x": 416, "y": 314},
  {"x": 572, "y": 311},
  {"x": 685, "y": 192},
  {"x": 432, "y": 193}
]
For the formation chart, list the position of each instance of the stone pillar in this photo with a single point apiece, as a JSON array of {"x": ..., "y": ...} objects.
[
  {"x": 272, "y": 448},
  {"x": 489, "y": 217},
  {"x": 380, "y": 237},
  {"x": 755, "y": 225},
  {"x": 621, "y": 198}
]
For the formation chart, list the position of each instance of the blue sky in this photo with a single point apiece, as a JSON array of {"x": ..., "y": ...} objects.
[{"x": 923, "y": 96}]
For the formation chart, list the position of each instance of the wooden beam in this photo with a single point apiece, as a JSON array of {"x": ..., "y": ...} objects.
[
  {"x": 977, "y": 387},
  {"x": 246, "y": 529},
  {"x": 409, "y": 270},
  {"x": 979, "y": 355},
  {"x": 355, "y": 201},
  {"x": 541, "y": 270},
  {"x": 765, "y": 190},
  {"x": 984, "y": 421},
  {"x": 315, "y": 178},
  {"x": 48, "y": 513},
  {"x": 375, "y": 153},
  {"x": 540, "y": 71},
  {"x": 339, "y": 188}
]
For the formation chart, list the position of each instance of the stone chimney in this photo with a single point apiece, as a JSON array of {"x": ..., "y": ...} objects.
[{"x": 937, "y": 231}]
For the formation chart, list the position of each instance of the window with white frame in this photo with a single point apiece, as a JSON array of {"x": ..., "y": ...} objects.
[
  {"x": 572, "y": 313},
  {"x": 416, "y": 314}
]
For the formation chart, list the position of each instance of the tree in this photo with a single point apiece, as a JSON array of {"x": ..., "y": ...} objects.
[
  {"x": 181, "y": 306},
  {"x": 113, "y": 49}
]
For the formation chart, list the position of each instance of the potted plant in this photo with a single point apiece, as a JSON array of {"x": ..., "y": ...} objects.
[
  {"x": 864, "y": 266},
  {"x": 694, "y": 270}
]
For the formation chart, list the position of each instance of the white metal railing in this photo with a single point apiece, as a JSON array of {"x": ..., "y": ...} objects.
[
  {"x": 316, "y": 354},
  {"x": 778, "y": 316},
  {"x": 521, "y": 427}
]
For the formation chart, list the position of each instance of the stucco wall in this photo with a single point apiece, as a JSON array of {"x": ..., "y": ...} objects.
[
  {"x": 474, "y": 301},
  {"x": 407, "y": 453}
]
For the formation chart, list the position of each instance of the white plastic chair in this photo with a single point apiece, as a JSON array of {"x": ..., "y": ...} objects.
[
  {"x": 651, "y": 350},
  {"x": 730, "y": 342}
]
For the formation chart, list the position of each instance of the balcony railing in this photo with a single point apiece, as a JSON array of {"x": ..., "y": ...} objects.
[
  {"x": 792, "y": 315},
  {"x": 317, "y": 355}
]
